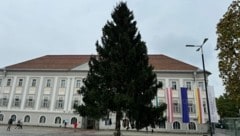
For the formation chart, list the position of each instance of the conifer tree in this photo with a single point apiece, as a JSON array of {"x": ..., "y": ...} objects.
[{"x": 120, "y": 79}]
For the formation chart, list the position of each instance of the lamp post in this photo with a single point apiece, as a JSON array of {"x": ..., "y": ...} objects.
[{"x": 200, "y": 47}]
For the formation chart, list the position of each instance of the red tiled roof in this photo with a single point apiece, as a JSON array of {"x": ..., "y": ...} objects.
[
  {"x": 67, "y": 62},
  {"x": 51, "y": 62},
  {"x": 162, "y": 62}
]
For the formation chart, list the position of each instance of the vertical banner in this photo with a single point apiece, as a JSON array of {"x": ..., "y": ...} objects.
[
  {"x": 212, "y": 104},
  {"x": 169, "y": 105},
  {"x": 199, "y": 106},
  {"x": 185, "y": 113}
]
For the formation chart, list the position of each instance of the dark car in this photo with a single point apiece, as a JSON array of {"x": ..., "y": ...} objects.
[{"x": 221, "y": 125}]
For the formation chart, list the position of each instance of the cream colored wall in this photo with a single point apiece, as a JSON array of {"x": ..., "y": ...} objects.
[{"x": 70, "y": 91}]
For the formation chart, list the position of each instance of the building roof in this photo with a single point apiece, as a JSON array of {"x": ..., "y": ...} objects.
[{"x": 68, "y": 62}]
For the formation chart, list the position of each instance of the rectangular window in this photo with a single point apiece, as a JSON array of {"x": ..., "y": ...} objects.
[
  {"x": 48, "y": 83},
  {"x": 176, "y": 107},
  {"x": 30, "y": 102},
  {"x": 174, "y": 85},
  {"x": 78, "y": 83},
  {"x": 9, "y": 82},
  {"x": 191, "y": 107},
  {"x": 45, "y": 102},
  {"x": 0, "y": 82},
  {"x": 60, "y": 103},
  {"x": 189, "y": 86},
  {"x": 34, "y": 82},
  {"x": 20, "y": 82},
  {"x": 16, "y": 102},
  {"x": 4, "y": 102},
  {"x": 63, "y": 83}
]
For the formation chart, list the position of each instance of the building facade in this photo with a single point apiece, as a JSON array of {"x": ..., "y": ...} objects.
[{"x": 42, "y": 92}]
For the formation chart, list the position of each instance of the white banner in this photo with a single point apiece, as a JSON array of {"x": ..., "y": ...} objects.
[{"x": 212, "y": 105}]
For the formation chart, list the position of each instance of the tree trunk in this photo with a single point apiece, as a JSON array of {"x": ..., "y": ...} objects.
[{"x": 118, "y": 125}]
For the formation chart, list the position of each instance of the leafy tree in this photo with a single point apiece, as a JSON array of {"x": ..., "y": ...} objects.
[
  {"x": 228, "y": 44},
  {"x": 120, "y": 78},
  {"x": 227, "y": 107}
]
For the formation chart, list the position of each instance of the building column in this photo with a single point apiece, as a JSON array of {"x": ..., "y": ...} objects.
[
  {"x": 12, "y": 92},
  {"x": 38, "y": 99},
  {"x": 70, "y": 97},
  {"x": 53, "y": 99},
  {"x": 24, "y": 92},
  {"x": 66, "y": 99}
]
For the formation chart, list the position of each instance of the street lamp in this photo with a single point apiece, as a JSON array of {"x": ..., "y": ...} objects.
[{"x": 200, "y": 47}]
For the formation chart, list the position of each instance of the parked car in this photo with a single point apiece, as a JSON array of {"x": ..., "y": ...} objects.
[{"x": 221, "y": 125}]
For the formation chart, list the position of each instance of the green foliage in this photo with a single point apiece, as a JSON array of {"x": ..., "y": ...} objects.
[
  {"x": 148, "y": 115},
  {"x": 227, "y": 107},
  {"x": 120, "y": 79},
  {"x": 228, "y": 44}
]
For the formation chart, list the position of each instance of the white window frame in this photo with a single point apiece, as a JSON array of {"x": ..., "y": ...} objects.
[
  {"x": 30, "y": 102},
  {"x": 60, "y": 103},
  {"x": 176, "y": 106},
  {"x": 17, "y": 101},
  {"x": 191, "y": 107},
  {"x": 20, "y": 82},
  {"x": 34, "y": 82},
  {"x": 42, "y": 119},
  {"x": 176, "y": 125},
  {"x": 188, "y": 85},
  {"x": 9, "y": 82},
  {"x": 58, "y": 120},
  {"x": 62, "y": 83},
  {"x": 27, "y": 119},
  {"x": 48, "y": 82},
  {"x": 78, "y": 83},
  {"x": 174, "y": 85},
  {"x": 45, "y": 102},
  {"x": 4, "y": 101}
]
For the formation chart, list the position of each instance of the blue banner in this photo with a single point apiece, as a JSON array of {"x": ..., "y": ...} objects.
[{"x": 185, "y": 113}]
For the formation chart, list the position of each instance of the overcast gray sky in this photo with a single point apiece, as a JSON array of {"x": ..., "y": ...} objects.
[{"x": 34, "y": 28}]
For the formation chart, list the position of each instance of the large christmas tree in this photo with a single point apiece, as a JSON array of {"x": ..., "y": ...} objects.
[{"x": 120, "y": 79}]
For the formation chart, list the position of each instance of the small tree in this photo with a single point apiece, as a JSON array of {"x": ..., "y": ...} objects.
[
  {"x": 120, "y": 78},
  {"x": 227, "y": 107},
  {"x": 228, "y": 44}
]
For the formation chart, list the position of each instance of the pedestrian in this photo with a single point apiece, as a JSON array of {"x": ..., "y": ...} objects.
[
  {"x": 19, "y": 124},
  {"x": 10, "y": 122},
  {"x": 75, "y": 126},
  {"x": 65, "y": 123}
]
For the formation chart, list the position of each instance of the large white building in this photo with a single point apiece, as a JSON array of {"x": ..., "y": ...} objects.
[{"x": 42, "y": 91}]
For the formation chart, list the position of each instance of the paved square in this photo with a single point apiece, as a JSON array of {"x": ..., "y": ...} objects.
[{"x": 49, "y": 131}]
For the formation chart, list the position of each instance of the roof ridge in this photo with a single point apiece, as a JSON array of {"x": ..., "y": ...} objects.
[{"x": 68, "y": 62}]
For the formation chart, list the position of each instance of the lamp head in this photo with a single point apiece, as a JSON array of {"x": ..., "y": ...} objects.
[
  {"x": 205, "y": 40},
  {"x": 190, "y": 45}
]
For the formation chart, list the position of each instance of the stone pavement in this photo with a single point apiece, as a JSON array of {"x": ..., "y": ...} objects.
[{"x": 49, "y": 131}]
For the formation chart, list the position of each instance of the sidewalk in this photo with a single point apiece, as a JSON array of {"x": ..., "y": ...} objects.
[{"x": 49, "y": 131}]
